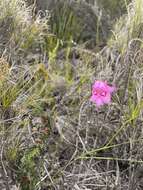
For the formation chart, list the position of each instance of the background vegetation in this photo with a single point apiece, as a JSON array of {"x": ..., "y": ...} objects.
[{"x": 51, "y": 136}]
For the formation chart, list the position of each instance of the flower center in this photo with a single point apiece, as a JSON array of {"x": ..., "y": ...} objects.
[
  {"x": 103, "y": 93},
  {"x": 99, "y": 92}
]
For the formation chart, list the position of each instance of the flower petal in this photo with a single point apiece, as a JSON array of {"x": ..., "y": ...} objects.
[
  {"x": 99, "y": 102},
  {"x": 107, "y": 99},
  {"x": 111, "y": 89},
  {"x": 93, "y": 99},
  {"x": 99, "y": 84}
]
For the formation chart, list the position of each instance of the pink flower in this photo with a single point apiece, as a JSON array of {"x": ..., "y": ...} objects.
[{"x": 101, "y": 93}]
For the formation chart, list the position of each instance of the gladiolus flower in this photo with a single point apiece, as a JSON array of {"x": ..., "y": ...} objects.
[{"x": 101, "y": 93}]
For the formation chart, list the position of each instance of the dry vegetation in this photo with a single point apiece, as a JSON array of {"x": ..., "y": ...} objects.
[{"x": 51, "y": 136}]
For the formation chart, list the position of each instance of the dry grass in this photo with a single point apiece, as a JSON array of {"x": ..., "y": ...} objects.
[{"x": 51, "y": 135}]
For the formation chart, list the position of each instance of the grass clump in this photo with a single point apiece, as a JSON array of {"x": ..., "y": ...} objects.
[
  {"x": 122, "y": 34},
  {"x": 114, "y": 8}
]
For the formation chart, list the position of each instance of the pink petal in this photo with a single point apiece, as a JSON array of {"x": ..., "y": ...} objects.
[
  {"x": 99, "y": 84},
  {"x": 93, "y": 99},
  {"x": 107, "y": 99},
  {"x": 112, "y": 89},
  {"x": 99, "y": 102}
]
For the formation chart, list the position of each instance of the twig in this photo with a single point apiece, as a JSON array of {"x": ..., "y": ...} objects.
[{"x": 5, "y": 175}]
